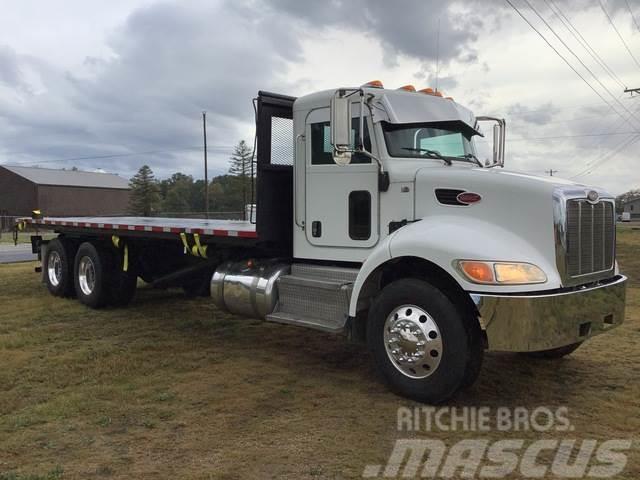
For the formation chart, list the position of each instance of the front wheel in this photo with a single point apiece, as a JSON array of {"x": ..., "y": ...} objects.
[{"x": 422, "y": 343}]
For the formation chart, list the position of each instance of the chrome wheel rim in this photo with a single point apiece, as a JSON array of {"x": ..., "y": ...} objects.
[
  {"x": 413, "y": 342},
  {"x": 54, "y": 268},
  {"x": 86, "y": 275}
]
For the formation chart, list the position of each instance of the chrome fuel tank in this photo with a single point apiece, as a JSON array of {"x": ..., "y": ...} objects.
[{"x": 249, "y": 287}]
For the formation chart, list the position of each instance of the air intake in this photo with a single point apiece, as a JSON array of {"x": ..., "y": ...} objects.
[{"x": 449, "y": 196}]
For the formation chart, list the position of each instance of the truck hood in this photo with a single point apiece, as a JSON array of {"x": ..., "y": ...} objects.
[
  {"x": 495, "y": 182},
  {"x": 514, "y": 220}
]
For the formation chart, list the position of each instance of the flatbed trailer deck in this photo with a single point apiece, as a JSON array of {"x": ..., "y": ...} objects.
[{"x": 150, "y": 225}]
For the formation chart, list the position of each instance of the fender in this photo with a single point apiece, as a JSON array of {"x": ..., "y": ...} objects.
[{"x": 442, "y": 239}]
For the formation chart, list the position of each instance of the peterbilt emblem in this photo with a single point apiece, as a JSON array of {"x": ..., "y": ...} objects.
[
  {"x": 593, "y": 196},
  {"x": 468, "y": 198}
]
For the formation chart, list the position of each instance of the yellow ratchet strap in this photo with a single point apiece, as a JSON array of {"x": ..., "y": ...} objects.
[
  {"x": 125, "y": 259},
  {"x": 202, "y": 249},
  {"x": 192, "y": 251},
  {"x": 125, "y": 251}
]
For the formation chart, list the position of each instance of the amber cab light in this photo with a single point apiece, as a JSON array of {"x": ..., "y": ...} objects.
[
  {"x": 408, "y": 88},
  {"x": 478, "y": 272},
  {"x": 373, "y": 84}
]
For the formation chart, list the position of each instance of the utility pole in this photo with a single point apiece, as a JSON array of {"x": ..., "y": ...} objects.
[
  {"x": 551, "y": 172},
  {"x": 632, "y": 90},
  {"x": 206, "y": 170}
]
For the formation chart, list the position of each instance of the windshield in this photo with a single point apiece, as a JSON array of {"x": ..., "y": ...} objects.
[{"x": 412, "y": 141}]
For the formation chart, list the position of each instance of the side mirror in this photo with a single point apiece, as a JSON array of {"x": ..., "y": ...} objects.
[
  {"x": 496, "y": 144},
  {"x": 341, "y": 128},
  {"x": 499, "y": 133}
]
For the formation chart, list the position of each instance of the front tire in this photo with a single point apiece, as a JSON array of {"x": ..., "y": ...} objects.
[{"x": 425, "y": 347}]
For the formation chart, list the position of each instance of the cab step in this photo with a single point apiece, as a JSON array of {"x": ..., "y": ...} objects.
[{"x": 315, "y": 296}]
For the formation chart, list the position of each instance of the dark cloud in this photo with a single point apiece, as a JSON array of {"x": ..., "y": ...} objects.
[
  {"x": 541, "y": 115},
  {"x": 404, "y": 28},
  {"x": 10, "y": 73},
  {"x": 170, "y": 62}
]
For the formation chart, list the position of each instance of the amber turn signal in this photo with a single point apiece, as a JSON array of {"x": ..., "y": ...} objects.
[{"x": 479, "y": 272}]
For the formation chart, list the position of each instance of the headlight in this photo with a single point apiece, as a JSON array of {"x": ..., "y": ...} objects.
[{"x": 501, "y": 273}]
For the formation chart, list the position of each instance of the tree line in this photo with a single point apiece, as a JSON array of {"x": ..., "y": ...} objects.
[{"x": 182, "y": 195}]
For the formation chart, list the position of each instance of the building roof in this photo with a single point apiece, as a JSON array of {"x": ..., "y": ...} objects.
[{"x": 69, "y": 178}]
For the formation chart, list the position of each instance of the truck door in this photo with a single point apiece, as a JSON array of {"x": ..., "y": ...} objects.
[{"x": 341, "y": 201}]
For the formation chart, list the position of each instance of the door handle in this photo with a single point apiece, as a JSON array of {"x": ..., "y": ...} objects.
[
  {"x": 316, "y": 228},
  {"x": 296, "y": 161}
]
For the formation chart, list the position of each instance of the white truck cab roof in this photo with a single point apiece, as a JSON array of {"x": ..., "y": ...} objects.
[{"x": 397, "y": 106}]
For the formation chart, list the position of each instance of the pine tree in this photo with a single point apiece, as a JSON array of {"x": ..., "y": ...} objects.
[
  {"x": 240, "y": 166},
  {"x": 144, "y": 196},
  {"x": 178, "y": 193}
]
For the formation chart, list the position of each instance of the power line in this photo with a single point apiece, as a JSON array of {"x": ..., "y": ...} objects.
[
  {"x": 565, "y": 120},
  {"x": 603, "y": 134},
  {"x": 579, "y": 59},
  {"x": 573, "y": 30},
  {"x": 632, "y": 15},
  {"x": 606, "y": 158},
  {"x": 619, "y": 36},
  {"x": 562, "y": 57},
  {"x": 597, "y": 162}
]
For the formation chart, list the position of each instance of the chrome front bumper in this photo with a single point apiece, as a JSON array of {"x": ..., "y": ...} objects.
[{"x": 529, "y": 323}]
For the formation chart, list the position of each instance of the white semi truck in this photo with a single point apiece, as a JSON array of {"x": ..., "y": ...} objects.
[{"x": 375, "y": 219}]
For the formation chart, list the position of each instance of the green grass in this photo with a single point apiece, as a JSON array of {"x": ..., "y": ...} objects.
[{"x": 173, "y": 388}]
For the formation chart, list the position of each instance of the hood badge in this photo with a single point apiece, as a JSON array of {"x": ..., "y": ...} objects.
[
  {"x": 593, "y": 196},
  {"x": 469, "y": 198}
]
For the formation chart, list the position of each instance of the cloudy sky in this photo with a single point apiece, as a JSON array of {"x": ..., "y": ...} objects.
[{"x": 118, "y": 83}]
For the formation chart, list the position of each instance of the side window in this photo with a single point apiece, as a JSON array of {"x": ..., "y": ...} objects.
[
  {"x": 321, "y": 143},
  {"x": 360, "y": 215}
]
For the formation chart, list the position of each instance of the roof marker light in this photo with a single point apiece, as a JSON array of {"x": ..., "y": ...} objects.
[
  {"x": 450, "y": 98},
  {"x": 408, "y": 88},
  {"x": 427, "y": 91},
  {"x": 373, "y": 84},
  {"x": 438, "y": 94}
]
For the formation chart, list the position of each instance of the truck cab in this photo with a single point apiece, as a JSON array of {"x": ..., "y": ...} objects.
[{"x": 387, "y": 184}]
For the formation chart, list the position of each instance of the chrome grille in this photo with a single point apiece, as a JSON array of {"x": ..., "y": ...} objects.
[{"x": 590, "y": 237}]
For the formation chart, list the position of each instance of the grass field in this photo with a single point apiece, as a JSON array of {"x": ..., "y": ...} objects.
[{"x": 172, "y": 388}]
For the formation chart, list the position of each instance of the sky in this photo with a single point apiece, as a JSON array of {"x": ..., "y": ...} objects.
[{"x": 116, "y": 84}]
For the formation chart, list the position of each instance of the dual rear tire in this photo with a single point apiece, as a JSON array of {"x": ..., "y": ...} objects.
[{"x": 90, "y": 272}]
